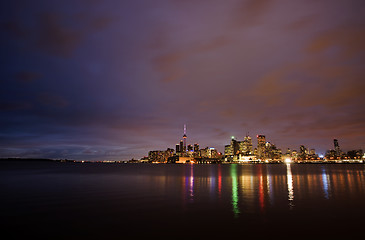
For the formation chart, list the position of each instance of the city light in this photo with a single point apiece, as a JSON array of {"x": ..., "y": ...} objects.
[
  {"x": 288, "y": 160},
  {"x": 290, "y": 186},
  {"x": 244, "y": 151}
]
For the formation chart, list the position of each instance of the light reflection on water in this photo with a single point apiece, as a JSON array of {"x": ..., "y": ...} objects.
[
  {"x": 326, "y": 183},
  {"x": 290, "y": 186},
  {"x": 253, "y": 188},
  {"x": 177, "y": 195},
  {"x": 236, "y": 210}
]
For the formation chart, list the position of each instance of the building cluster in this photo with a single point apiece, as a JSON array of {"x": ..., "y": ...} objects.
[
  {"x": 337, "y": 153},
  {"x": 184, "y": 153},
  {"x": 243, "y": 152}
]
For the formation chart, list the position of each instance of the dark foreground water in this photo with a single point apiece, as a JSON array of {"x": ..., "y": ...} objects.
[{"x": 121, "y": 201}]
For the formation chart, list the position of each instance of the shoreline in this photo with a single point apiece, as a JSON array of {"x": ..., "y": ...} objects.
[{"x": 340, "y": 161}]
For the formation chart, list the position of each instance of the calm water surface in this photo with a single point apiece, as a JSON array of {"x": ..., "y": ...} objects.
[{"x": 114, "y": 201}]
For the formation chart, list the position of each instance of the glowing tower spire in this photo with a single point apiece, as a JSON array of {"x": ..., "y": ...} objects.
[{"x": 184, "y": 137}]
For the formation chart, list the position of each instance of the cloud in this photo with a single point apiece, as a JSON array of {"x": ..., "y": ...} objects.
[
  {"x": 54, "y": 32},
  {"x": 171, "y": 64},
  {"x": 275, "y": 87},
  {"x": 14, "y": 106},
  {"x": 14, "y": 28},
  {"x": 250, "y": 12},
  {"x": 55, "y": 37},
  {"x": 100, "y": 22},
  {"x": 168, "y": 65},
  {"x": 27, "y": 76},
  {"x": 210, "y": 44},
  {"x": 349, "y": 39},
  {"x": 302, "y": 23},
  {"x": 53, "y": 100}
]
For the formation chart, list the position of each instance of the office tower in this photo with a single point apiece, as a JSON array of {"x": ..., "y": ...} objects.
[
  {"x": 303, "y": 152},
  {"x": 261, "y": 141},
  {"x": 190, "y": 148},
  {"x": 294, "y": 154},
  {"x": 312, "y": 152},
  {"x": 196, "y": 147},
  {"x": 228, "y": 150},
  {"x": 212, "y": 153},
  {"x": 177, "y": 148},
  {"x": 181, "y": 146},
  {"x": 196, "y": 150},
  {"x": 337, "y": 147},
  {"x": 247, "y": 146},
  {"x": 288, "y": 152},
  {"x": 168, "y": 153},
  {"x": 235, "y": 146},
  {"x": 241, "y": 147}
]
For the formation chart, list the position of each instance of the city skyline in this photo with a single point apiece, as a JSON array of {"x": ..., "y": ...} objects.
[
  {"x": 99, "y": 80},
  {"x": 244, "y": 151}
]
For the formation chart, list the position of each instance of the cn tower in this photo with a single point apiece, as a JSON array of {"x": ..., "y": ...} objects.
[{"x": 184, "y": 137}]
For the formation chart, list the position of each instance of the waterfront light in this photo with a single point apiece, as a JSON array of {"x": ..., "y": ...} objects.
[{"x": 288, "y": 160}]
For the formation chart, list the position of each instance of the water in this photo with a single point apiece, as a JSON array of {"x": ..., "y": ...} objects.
[{"x": 115, "y": 201}]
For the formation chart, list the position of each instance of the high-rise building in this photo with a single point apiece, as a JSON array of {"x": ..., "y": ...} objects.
[
  {"x": 169, "y": 153},
  {"x": 294, "y": 154},
  {"x": 272, "y": 152},
  {"x": 261, "y": 141},
  {"x": 247, "y": 146},
  {"x": 234, "y": 145},
  {"x": 337, "y": 147},
  {"x": 181, "y": 146},
  {"x": 312, "y": 152},
  {"x": 232, "y": 149},
  {"x": 212, "y": 153},
  {"x": 303, "y": 152},
  {"x": 177, "y": 148},
  {"x": 196, "y": 150},
  {"x": 196, "y": 147},
  {"x": 228, "y": 150}
]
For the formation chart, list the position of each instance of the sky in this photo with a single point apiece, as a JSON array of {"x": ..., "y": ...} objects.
[{"x": 112, "y": 80}]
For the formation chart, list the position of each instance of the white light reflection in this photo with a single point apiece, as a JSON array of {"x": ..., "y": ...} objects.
[
  {"x": 290, "y": 185},
  {"x": 269, "y": 186},
  {"x": 326, "y": 183},
  {"x": 191, "y": 185}
]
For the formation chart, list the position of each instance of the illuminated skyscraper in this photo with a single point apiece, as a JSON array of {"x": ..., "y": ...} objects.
[
  {"x": 337, "y": 147},
  {"x": 233, "y": 148},
  {"x": 303, "y": 152},
  {"x": 196, "y": 147},
  {"x": 196, "y": 150},
  {"x": 228, "y": 150},
  {"x": 247, "y": 146},
  {"x": 261, "y": 141},
  {"x": 181, "y": 146}
]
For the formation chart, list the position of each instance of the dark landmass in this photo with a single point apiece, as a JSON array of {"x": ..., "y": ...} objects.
[{"x": 34, "y": 160}]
